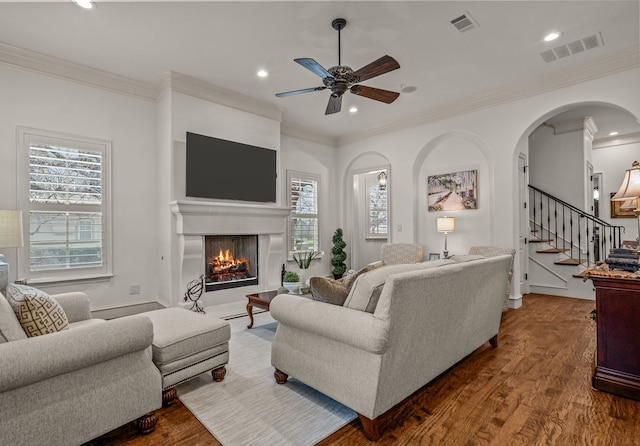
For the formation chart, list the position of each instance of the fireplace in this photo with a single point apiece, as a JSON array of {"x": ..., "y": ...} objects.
[{"x": 231, "y": 261}]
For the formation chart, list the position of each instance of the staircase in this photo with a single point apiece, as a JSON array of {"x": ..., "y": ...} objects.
[{"x": 564, "y": 242}]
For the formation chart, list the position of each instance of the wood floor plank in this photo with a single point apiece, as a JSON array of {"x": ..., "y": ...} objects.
[{"x": 534, "y": 389}]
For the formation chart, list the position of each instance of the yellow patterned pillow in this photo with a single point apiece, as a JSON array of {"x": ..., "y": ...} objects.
[{"x": 36, "y": 311}]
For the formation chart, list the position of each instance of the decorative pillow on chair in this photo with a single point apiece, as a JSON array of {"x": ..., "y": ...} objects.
[{"x": 36, "y": 311}]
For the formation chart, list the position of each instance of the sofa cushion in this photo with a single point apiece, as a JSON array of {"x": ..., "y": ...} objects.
[
  {"x": 36, "y": 311},
  {"x": 466, "y": 258},
  {"x": 10, "y": 328},
  {"x": 366, "y": 290}
]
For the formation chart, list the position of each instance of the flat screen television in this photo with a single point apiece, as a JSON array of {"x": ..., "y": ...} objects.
[{"x": 228, "y": 170}]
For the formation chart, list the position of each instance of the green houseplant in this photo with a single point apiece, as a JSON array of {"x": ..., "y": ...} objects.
[
  {"x": 291, "y": 281},
  {"x": 338, "y": 255}
]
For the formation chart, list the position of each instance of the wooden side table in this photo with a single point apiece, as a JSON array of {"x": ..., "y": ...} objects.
[
  {"x": 260, "y": 300},
  {"x": 617, "y": 361}
]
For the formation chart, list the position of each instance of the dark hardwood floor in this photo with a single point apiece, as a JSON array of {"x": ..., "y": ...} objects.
[{"x": 534, "y": 389}]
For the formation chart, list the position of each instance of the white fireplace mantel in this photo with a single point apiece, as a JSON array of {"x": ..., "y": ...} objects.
[
  {"x": 209, "y": 218},
  {"x": 196, "y": 219}
]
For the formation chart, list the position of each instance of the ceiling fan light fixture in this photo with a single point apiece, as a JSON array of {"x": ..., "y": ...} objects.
[{"x": 341, "y": 78}]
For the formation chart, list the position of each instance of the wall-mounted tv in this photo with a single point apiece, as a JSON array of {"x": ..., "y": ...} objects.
[{"x": 228, "y": 170}]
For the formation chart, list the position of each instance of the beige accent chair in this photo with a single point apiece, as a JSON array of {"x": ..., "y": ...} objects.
[
  {"x": 398, "y": 253},
  {"x": 491, "y": 251},
  {"x": 69, "y": 387}
]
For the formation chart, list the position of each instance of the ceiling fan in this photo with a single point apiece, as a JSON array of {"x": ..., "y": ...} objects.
[{"x": 341, "y": 78}]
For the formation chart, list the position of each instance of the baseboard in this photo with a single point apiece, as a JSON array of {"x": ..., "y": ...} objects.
[
  {"x": 125, "y": 310},
  {"x": 515, "y": 301}
]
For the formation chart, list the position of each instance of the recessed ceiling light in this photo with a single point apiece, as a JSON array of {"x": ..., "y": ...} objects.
[
  {"x": 353, "y": 109},
  {"x": 86, "y": 4},
  {"x": 408, "y": 88},
  {"x": 613, "y": 133},
  {"x": 552, "y": 36},
  {"x": 263, "y": 73}
]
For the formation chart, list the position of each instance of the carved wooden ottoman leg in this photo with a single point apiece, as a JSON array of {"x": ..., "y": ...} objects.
[
  {"x": 281, "y": 377},
  {"x": 219, "y": 373},
  {"x": 147, "y": 423},
  {"x": 168, "y": 396}
]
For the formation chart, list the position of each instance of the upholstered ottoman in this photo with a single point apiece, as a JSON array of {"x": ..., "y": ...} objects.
[{"x": 186, "y": 344}]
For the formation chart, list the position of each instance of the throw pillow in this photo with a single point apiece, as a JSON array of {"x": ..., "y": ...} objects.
[
  {"x": 349, "y": 279},
  {"x": 328, "y": 290},
  {"x": 36, "y": 311}
]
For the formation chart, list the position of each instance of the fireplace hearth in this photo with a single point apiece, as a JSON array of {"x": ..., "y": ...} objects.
[{"x": 231, "y": 261}]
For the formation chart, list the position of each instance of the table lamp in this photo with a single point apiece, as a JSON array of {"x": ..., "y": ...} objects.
[
  {"x": 10, "y": 237},
  {"x": 446, "y": 225},
  {"x": 630, "y": 190}
]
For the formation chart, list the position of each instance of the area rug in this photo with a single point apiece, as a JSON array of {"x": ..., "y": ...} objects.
[{"x": 249, "y": 408}]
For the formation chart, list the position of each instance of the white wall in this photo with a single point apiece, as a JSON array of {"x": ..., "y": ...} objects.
[
  {"x": 42, "y": 102},
  {"x": 495, "y": 134}
]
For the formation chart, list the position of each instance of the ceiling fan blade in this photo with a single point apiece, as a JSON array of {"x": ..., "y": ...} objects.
[
  {"x": 378, "y": 94},
  {"x": 376, "y": 68},
  {"x": 334, "y": 105},
  {"x": 314, "y": 67},
  {"x": 304, "y": 90}
]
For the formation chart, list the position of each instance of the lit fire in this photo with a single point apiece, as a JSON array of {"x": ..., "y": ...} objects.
[{"x": 225, "y": 267}]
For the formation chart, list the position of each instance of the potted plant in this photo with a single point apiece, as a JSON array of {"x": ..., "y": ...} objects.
[
  {"x": 338, "y": 256},
  {"x": 303, "y": 258},
  {"x": 291, "y": 281}
]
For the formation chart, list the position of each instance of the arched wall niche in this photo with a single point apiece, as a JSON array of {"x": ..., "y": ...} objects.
[
  {"x": 361, "y": 251},
  {"x": 454, "y": 152}
]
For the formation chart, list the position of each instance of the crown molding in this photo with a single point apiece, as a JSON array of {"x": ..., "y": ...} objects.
[
  {"x": 618, "y": 140},
  {"x": 181, "y": 83},
  {"x": 61, "y": 69},
  {"x": 305, "y": 134},
  {"x": 624, "y": 61}
]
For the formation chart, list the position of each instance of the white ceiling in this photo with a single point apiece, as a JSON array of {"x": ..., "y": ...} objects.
[{"x": 225, "y": 43}]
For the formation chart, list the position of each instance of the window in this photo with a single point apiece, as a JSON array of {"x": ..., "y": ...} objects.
[
  {"x": 65, "y": 195},
  {"x": 303, "y": 199},
  {"x": 376, "y": 218}
]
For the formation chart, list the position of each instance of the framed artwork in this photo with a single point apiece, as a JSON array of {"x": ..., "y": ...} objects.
[
  {"x": 434, "y": 256},
  {"x": 456, "y": 191},
  {"x": 618, "y": 212}
]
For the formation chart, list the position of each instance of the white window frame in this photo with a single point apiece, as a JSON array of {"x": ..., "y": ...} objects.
[
  {"x": 27, "y": 136},
  {"x": 371, "y": 180},
  {"x": 291, "y": 175}
]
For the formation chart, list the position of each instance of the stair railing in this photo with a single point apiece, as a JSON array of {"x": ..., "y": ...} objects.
[{"x": 585, "y": 233}]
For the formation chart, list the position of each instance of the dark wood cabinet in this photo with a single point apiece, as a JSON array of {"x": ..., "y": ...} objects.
[{"x": 617, "y": 360}]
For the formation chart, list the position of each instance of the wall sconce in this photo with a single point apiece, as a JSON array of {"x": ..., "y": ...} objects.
[
  {"x": 10, "y": 237},
  {"x": 446, "y": 225},
  {"x": 630, "y": 190},
  {"x": 382, "y": 179}
]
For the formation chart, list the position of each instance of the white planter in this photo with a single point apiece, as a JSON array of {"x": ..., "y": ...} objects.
[{"x": 292, "y": 287}]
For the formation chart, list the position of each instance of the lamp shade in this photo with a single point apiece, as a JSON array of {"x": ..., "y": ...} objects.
[
  {"x": 630, "y": 187},
  {"x": 445, "y": 224},
  {"x": 10, "y": 229}
]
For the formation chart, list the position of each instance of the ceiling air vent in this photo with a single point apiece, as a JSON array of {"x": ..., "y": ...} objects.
[
  {"x": 464, "y": 23},
  {"x": 572, "y": 48}
]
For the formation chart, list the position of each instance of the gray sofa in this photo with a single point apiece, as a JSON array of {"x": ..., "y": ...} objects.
[
  {"x": 69, "y": 387},
  {"x": 400, "y": 327}
]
